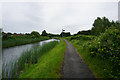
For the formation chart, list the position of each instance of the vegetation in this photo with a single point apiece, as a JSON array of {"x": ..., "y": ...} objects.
[
  {"x": 48, "y": 65},
  {"x": 30, "y": 57},
  {"x": 99, "y": 26},
  {"x": 20, "y": 41},
  {"x": 98, "y": 47},
  {"x": 101, "y": 68},
  {"x": 65, "y": 34},
  {"x": 10, "y": 39},
  {"x": 50, "y": 35},
  {"x": 87, "y": 32},
  {"x": 107, "y": 47},
  {"x": 35, "y": 34},
  {"x": 101, "y": 52},
  {"x": 53, "y": 35},
  {"x": 44, "y": 33},
  {"x": 82, "y": 37}
]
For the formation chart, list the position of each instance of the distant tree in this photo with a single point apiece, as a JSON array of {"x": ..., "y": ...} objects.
[
  {"x": 99, "y": 25},
  {"x": 3, "y": 33},
  {"x": 52, "y": 35},
  {"x": 27, "y": 34},
  {"x": 9, "y": 33},
  {"x": 15, "y": 33},
  {"x": 65, "y": 34},
  {"x": 44, "y": 33},
  {"x": 35, "y": 33},
  {"x": 6, "y": 35},
  {"x": 87, "y": 32}
]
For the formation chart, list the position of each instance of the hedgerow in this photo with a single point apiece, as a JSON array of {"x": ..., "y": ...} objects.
[{"x": 107, "y": 46}]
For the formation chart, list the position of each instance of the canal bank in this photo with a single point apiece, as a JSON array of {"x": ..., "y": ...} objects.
[
  {"x": 12, "y": 54},
  {"x": 48, "y": 66}
]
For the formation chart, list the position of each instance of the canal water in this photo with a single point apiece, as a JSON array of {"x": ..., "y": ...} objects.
[{"x": 10, "y": 55}]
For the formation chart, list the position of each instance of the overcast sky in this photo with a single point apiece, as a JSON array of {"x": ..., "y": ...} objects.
[{"x": 22, "y": 17}]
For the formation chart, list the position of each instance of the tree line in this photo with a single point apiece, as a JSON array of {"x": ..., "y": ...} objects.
[
  {"x": 99, "y": 26},
  {"x": 34, "y": 34}
]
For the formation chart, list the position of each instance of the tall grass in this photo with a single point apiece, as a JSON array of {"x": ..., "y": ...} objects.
[
  {"x": 29, "y": 57},
  {"x": 20, "y": 41},
  {"x": 48, "y": 65}
]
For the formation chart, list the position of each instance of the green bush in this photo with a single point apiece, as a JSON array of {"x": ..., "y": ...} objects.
[
  {"x": 35, "y": 33},
  {"x": 82, "y": 37},
  {"x": 107, "y": 46}
]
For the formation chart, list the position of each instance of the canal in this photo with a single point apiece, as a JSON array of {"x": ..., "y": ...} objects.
[{"x": 10, "y": 55}]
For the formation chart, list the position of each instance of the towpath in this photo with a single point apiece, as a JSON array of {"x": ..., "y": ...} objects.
[{"x": 73, "y": 66}]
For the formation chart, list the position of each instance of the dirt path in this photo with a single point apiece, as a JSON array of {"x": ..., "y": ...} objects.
[{"x": 73, "y": 66}]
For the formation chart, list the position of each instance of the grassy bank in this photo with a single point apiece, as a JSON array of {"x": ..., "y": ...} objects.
[
  {"x": 20, "y": 41},
  {"x": 48, "y": 65},
  {"x": 101, "y": 68},
  {"x": 28, "y": 58}
]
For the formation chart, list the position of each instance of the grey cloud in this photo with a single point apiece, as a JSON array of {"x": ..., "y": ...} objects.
[{"x": 26, "y": 17}]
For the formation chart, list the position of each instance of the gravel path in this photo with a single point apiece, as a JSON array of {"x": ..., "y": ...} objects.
[{"x": 73, "y": 66}]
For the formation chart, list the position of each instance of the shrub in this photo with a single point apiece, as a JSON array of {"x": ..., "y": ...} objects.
[
  {"x": 82, "y": 37},
  {"x": 35, "y": 33},
  {"x": 107, "y": 46}
]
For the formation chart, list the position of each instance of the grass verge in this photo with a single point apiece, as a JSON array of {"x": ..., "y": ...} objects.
[
  {"x": 48, "y": 65},
  {"x": 20, "y": 41}
]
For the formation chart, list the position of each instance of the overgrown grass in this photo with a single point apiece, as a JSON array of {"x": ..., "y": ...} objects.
[
  {"x": 82, "y": 37},
  {"x": 48, "y": 65},
  {"x": 101, "y": 68},
  {"x": 20, "y": 41}
]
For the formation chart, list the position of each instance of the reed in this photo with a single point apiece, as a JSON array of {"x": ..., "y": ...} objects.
[{"x": 49, "y": 65}]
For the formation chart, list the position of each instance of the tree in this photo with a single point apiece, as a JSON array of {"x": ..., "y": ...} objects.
[
  {"x": 35, "y": 33},
  {"x": 65, "y": 34},
  {"x": 44, "y": 33},
  {"x": 87, "y": 32},
  {"x": 99, "y": 25},
  {"x": 27, "y": 34}
]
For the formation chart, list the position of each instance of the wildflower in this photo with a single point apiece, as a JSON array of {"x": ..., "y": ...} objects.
[{"x": 92, "y": 52}]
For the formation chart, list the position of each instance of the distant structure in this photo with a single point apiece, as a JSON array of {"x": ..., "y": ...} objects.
[{"x": 119, "y": 11}]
